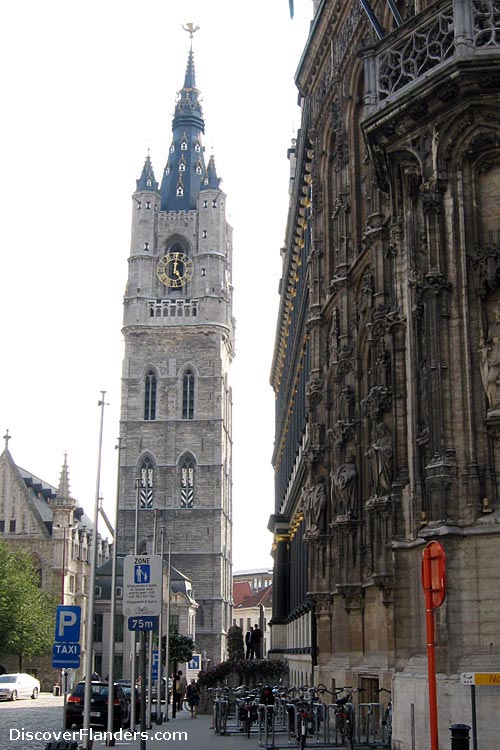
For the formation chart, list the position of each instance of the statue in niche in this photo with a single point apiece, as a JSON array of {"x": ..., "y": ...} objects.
[
  {"x": 314, "y": 508},
  {"x": 380, "y": 454},
  {"x": 343, "y": 487},
  {"x": 489, "y": 351}
]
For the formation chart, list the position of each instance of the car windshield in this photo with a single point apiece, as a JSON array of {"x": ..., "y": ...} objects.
[
  {"x": 96, "y": 688},
  {"x": 7, "y": 678}
]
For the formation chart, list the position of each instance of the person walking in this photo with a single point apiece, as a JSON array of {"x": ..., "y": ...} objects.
[
  {"x": 182, "y": 689},
  {"x": 248, "y": 643},
  {"x": 256, "y": 642},
  {"x": 193, "y": 697}
]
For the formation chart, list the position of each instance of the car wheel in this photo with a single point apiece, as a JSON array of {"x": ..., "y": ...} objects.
[
  {"x": 34, "y": 694},
  {"x": 13, "y": 697},
  {"x": 68, "y": 724}
]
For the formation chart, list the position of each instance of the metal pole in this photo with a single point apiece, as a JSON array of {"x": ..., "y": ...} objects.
[
  {"x": 133, "y": 718},
  {"x": 112, "y": 611},
  {"x": 167, "y": 634},
  {"x": 431, "y": 671},
  {"x": 160, "y": 637},
  {"x": 150, "y": 642},
  {"x": 474, "y": 718},
  {"x": 90, "y": 605}
]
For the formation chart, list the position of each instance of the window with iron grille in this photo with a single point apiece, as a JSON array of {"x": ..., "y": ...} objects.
[
  {"x": 146, "y": 484},
  {"x": 187, "y": 482}
]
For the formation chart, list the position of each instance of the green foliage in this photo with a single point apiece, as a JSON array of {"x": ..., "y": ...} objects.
[
  {"x": 235, "y": 644},
  {"x": 180, "y": 648},
  {"x": 27, "y": 613},
  {"x": 249, "y": 671}
]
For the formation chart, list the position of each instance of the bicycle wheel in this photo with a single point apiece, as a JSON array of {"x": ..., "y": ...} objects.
[
  {"x": 303, "y": 734},
  {"x": 248, "y": 724}
]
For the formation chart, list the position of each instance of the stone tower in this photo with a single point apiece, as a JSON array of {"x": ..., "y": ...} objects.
[{"x": 176, "y": 442}]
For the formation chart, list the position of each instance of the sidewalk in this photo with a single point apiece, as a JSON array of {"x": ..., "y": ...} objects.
[{"x": 192, "y": 734}]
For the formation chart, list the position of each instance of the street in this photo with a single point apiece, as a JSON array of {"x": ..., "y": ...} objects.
[{"x": 44, "y": 715}]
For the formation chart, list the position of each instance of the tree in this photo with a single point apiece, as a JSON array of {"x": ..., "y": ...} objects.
[
  {"x": 27, "y": 613},
  {"x": 180, "y": 648},
  {"x": 235, "y": 644}
]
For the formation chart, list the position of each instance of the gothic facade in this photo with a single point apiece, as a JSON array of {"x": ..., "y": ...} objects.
[
  {"x": 386, "y": 367},
  {"x": 176, "y": 432}
]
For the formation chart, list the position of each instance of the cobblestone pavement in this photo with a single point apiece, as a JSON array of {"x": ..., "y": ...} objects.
[{"x": 19, "y": 719}]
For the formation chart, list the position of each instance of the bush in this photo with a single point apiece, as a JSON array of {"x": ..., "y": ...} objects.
[
  {"x": 235, "y": 645},
  {"x": 248, "y": 671}
]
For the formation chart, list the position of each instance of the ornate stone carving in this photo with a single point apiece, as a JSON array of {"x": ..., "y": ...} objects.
[
  {"x": 380, "y": 453},
  {"x": 342, "y": 431},
  {"x": 314, "y": 390},
  {"x": 314, "y": 508},
  {"x": 344, "y": 363},
  {"x": 378, "y": 401},
  {"x": 489, "y": 357},
  {"x": 343, "y": 482},
  {"x": 354, "y": 597}
]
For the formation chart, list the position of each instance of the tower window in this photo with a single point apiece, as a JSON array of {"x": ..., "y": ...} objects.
[
  {"x": 138, "y": 205},
  {"x": 187, "y": 482},
  {"x": 198, "y": 170},
  {"x": 188, "y": 395},
  {"x": 148, "y": 205},
  {"x": 214, "y": 203},
  {"x": 184, "y": 146},
  {"x": 146, "y": 485},
  {"x": 150, "y": 396},
  {"x": 197, "y": 148},
  {"x": 146, "y": 246},
  {"x": 148, "y": 182},
  {"x": 205, "y": 204},
  {"x": 182, "y": 167},
  {"x": 204, "y": 234},
  {"x": 180, "y": 192}
]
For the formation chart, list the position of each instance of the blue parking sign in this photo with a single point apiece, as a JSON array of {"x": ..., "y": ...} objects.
[{"x": 68, "y": 624}]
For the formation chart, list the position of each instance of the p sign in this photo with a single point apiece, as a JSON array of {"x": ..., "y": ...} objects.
[{"x": 68, "y": 624}]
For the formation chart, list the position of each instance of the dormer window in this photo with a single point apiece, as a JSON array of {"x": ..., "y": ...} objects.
[
  {"x": 197, "y": 148},
  {"x": 167, "y": 170},
  {"x": 205, "y": 181},
  {"x": 184, "y": 146},
  {"x": 180, "y": 191},
  {"x": 198, "y": 169},
  {"x": 148, "y": 182},
  {"x": 182, "y": 167},
  {"x": 172, "y": 148}
]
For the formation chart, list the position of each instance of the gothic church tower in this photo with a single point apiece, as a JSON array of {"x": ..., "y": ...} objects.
[{"x": 176, "y": 441}]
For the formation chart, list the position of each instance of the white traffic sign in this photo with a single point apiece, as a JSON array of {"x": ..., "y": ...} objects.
[
  {"x": 141, "y": 585},
  {"x": 480, "y": 678}
]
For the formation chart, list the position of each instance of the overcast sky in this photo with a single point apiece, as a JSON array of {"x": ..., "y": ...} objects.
[{"x": 87, "y": 89}]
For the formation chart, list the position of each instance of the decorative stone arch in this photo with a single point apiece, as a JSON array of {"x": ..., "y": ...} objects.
[
  {"x": 187, "y": 479},
  {"x": 147, "y": 475}
]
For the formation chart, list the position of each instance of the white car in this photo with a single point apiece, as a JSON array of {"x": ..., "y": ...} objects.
[{"x": 14, "y": 686}]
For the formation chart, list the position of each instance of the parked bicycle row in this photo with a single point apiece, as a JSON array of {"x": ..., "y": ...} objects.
[{"x": 282, "y": 716}]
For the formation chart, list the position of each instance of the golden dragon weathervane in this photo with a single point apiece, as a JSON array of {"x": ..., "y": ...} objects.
[{"x": 191, "y": 29}]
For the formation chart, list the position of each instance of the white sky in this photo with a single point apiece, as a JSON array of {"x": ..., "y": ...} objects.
[{"x": 86, "y": 89}]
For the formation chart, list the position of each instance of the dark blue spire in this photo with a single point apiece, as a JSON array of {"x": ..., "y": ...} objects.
[
  {"x": 211, "y": 182},
  {"x": 185, "y": 170},
  {"x": 147, "y": 179}
]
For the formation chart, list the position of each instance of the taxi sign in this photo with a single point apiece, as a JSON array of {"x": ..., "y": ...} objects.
[
  {"x": 142, "y": 581},
  {"x": 480, "y": 678}
]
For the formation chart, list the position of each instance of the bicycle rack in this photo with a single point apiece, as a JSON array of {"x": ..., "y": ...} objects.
[{"x": 369, "y": 724}]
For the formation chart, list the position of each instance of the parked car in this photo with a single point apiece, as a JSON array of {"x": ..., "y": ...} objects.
[
  {"x": 127, "y": 688},
  {"x": 14, "y": 686},
  {"x": 98, "y": 706}
]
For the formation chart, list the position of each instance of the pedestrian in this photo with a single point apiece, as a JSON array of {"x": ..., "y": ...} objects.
[
  {"x": 182, "y": 689},
  {"x": 176, "y": 689},
  {"x": 248, "y": 643},
  {"x": 256, "y": 642},
  {"x": 193, "y": 697}
]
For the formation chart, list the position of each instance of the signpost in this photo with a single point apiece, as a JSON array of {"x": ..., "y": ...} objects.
[
  {"x": 434, "y": 585},
  {"x": 66, "y": 649},
  {"x": 142, "y": 590},
  {"x": 489, "y": 679}
]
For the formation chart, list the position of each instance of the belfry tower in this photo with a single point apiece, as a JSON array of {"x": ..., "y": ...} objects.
[{"x": 176, "y": 443}]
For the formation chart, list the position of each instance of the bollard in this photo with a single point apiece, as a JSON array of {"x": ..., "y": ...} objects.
[{"x": 459, "y": 736}]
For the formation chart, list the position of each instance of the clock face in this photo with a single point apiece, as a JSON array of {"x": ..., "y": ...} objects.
[{"x": 175, "y": 269}]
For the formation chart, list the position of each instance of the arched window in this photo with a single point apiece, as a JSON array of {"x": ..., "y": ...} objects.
[
  {"x": 146, "y": 484},
  {"x": 150, "y": 396},
  {"x": 187, "y": 481},
  {"x": 188, "y": 395}
]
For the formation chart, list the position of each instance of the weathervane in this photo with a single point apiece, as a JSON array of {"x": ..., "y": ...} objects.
[{"x": 191, "y": 29}]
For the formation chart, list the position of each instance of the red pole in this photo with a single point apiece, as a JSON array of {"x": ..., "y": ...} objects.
[{"x": 431, "y": 669}]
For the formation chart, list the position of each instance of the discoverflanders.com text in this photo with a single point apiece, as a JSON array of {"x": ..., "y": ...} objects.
[{"x": 94, "y": 734}]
